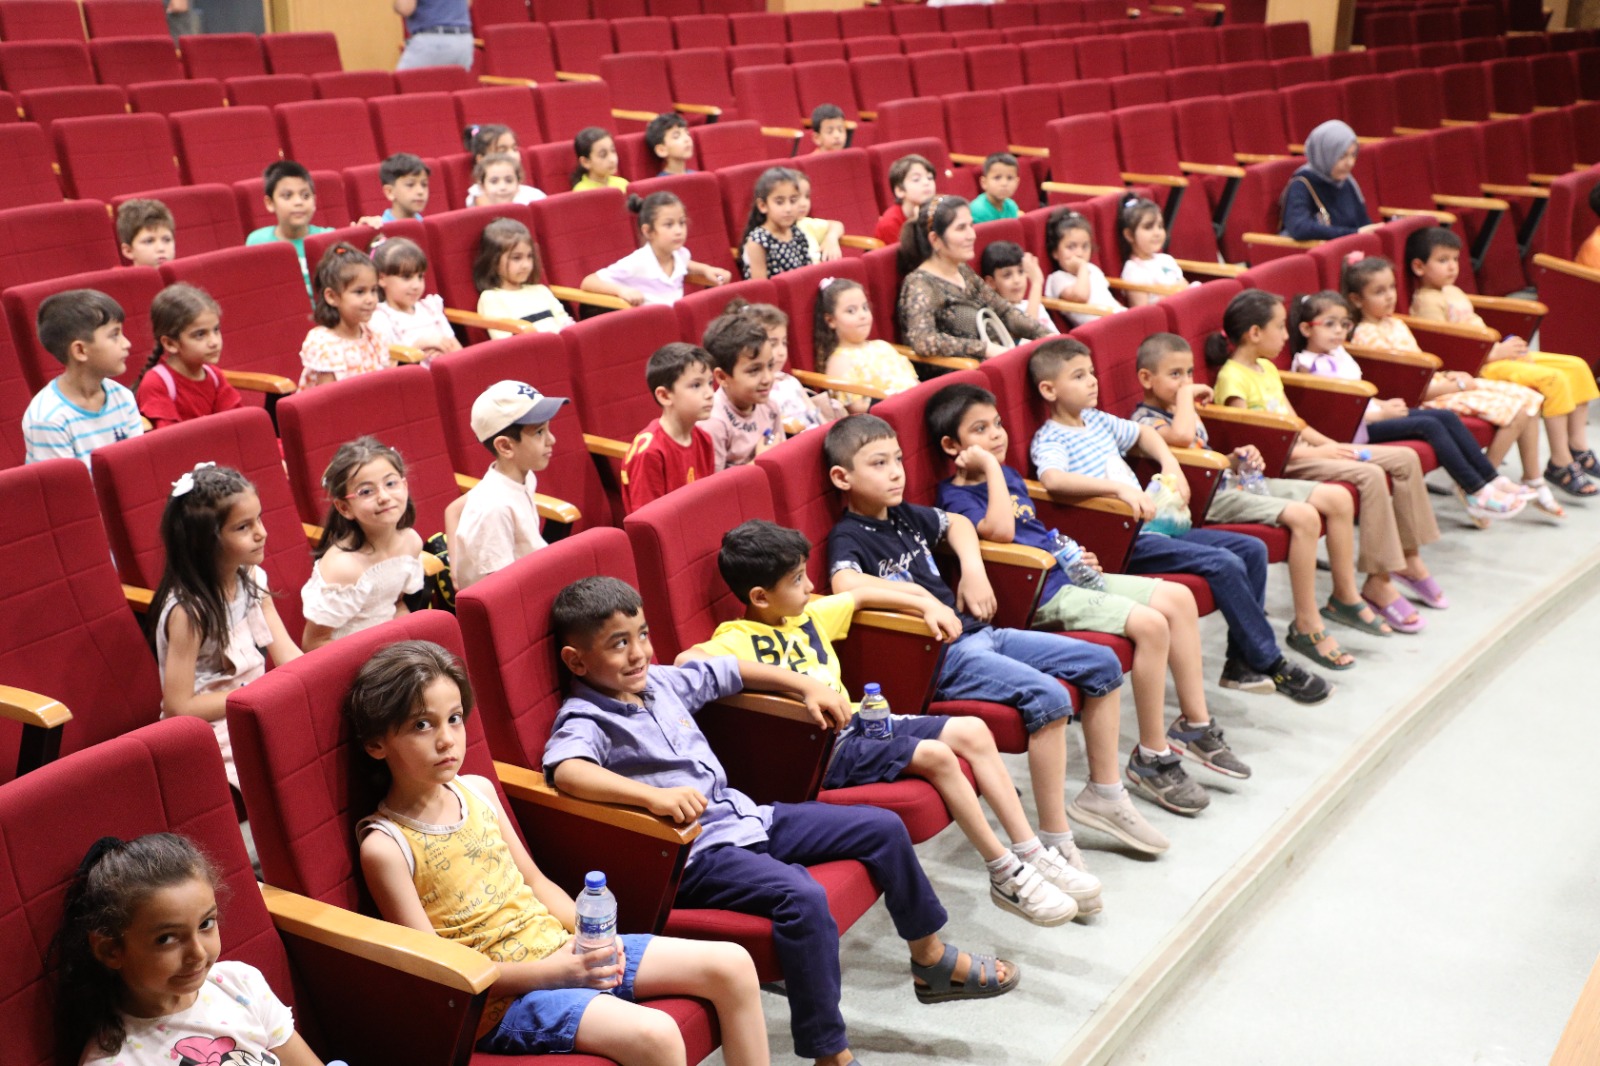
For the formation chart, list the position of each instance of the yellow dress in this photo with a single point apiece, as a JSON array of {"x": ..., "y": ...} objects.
[{"x": 1496, "y": 402}]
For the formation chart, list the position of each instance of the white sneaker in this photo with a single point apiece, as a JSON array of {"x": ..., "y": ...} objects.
[
  {"x": 1028, "y": 894},
  {"x": 1118, "y": 818},
  {"x": 1059, "y": 871}
]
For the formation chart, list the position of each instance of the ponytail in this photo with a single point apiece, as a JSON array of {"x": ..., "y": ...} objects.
[
  {"x": 1248, "y": 310},
  {"x": 1217, "y": 349},
  {"x": 932, "y": 219},
  {"x": 1305, "y": 307}
]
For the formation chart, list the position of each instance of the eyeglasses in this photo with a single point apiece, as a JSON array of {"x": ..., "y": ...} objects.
[
  {"x": 391, "y": 485},
  {"x": 1333, "y": 323}
]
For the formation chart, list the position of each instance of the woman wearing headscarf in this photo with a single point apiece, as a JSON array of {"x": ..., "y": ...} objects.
[{"x": 1322, "y": 200}]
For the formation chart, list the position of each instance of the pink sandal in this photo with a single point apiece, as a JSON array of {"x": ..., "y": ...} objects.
[
  {"x": 1401, "y": 616},
  {"x": 1427, "y": 590}
]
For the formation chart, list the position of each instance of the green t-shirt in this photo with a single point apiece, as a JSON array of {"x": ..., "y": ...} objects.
[
  {"x": 983, "y": 210},
  {"x": 268, "y": 234}
]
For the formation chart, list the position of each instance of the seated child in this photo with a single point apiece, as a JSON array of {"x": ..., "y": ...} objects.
[
  {"x": 911, "y": 184},
  {"x": 292, "y": 198},
  {"x": 765, "y": 567},
  {"x": 405, "y": 186},
  {"x": 1170, "y": 407},
  {"x": 829, "y": 130},
  {"x": 668, "y": 139},
  {"x": 881, "y": 541},
  {"x": 1016, "y": 276},
  {"x": 744, "y": 421},
  {"x": 342, "y": 344},
  {"x": 498, "y": 179},
  {"x": 1566, "y": 382},
  {"x": 823, "y": 233},
  {"x": 656, "y": 271},
  {"x": 181, "y": 380},
  {"x": 1159, "y": 617},
  {"x": 146, "y": 232},
  {"x": 1589, "y": 251},
  {"x": 499, "y": 521},
  {"x": 441, "y": 856},
  {"x": 1076, "y": 279},
  {"x": 626, "y": 734},
  {"x": 406, "y": 316},
  {"x": 491, "y": 138},
  {"x": 597, "y": 161},
  {"x": 674, "y": 449},
  {"x": 1144, "y": 235},
  {"x": 801, "y": 408},
  {"x": 83, "y": 407},
  {"x": 506, "y": 273},
  {"x": 1079, "y": 451},
  {"x": 772, "y": 244},
  {"x": 999, "y": 182},
  {"x": 845, "y": 349},
  {"x": 214, "y": 624}
]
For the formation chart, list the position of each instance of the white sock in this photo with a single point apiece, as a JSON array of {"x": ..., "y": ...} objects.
[
  {"x": 1027, "y": 849},
  {"x": 1112, "y": 791},
  {"x": 1062, "y": 842},
  {"x": 1003, "y": 867},
  {"x": 1149, "y": 754}
]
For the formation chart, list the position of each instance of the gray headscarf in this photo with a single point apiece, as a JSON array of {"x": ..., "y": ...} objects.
[{"x": 1326, "y": 144}]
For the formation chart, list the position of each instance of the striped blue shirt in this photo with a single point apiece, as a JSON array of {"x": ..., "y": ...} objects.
[
  {"x": 54, "y": 427},
  {"x": 1092, "y": 450}
]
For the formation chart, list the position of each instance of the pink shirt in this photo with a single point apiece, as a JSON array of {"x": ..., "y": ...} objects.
[
  {"x": 734, "y": 437},
  {"x": 325, "y": 352}
]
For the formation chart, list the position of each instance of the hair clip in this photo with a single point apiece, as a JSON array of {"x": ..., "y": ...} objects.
[
  {"x": 185, "y": 483},
  {"x": 824, "y": 283},
  {"x": 1354, "y": 257}
]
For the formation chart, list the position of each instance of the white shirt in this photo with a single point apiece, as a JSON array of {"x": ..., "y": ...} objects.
[
  {"x": 236, "y": 1018},
  {"x": 639, "y": 270},
  {"x": 526, "y": 194},
  {"x": 1159, "y": 269},
  {"x": 1060, "y": 281},
  {"x": 424, "y": 322},
  {"x": 499, "y": 525}
]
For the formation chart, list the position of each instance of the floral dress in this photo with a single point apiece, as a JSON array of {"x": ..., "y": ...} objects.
[{"x": 1496, "y": 402}]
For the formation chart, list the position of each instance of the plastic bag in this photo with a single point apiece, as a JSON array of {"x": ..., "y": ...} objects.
[{"x": 1172, "y": 514}]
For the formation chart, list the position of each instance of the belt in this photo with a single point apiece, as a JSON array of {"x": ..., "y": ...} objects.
[{"x": 443, "y": 29}]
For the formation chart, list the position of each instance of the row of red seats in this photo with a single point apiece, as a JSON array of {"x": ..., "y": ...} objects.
[
  {"x": 1418, "y": 24},
  {"x": 28, "y": 65},
  {"x": 51, "y": 20}
]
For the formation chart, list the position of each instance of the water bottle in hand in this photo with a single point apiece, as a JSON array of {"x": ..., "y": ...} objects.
[
  {"x": 1253, "y": 482},
  {"x": 874, "y": 712},
  {"x": 1230, "y": 481},
  {"x": 1069, "y": 556},
  {"x": 597, "y": 915}
]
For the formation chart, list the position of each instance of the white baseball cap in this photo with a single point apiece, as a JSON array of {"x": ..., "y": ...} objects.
[{"x": 511, "y": 403}]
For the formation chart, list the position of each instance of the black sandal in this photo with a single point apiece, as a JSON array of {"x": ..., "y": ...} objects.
[
  {"x": 937, "y": 984},
  {"x": 1572, "y": 480},
  {"x": 1587, "y": 462}
]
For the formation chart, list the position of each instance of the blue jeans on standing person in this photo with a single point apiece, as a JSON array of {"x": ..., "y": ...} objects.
[
  {"x": 1453, "y": 444},
  {"x": 437, "y": 50},
  {"x": 1023, "y": 669},
  {"x": 1234, "y": 567}
]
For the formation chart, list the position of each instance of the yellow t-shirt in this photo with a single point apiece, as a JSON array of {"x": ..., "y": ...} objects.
[
  {"x": 615, "y": 181},
  {"x": 1261, "y": 389},
  {"x": 803, "y": 644}
]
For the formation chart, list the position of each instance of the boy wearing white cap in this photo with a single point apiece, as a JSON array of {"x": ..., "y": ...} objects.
[{"x": 499, "y": 523}]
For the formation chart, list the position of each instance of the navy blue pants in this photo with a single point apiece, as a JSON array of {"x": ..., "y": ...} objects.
[
  {"x": 1234, "y": 566},
  {"x": 1451, "y": 441},
  {"x": 770, "y": 880}
]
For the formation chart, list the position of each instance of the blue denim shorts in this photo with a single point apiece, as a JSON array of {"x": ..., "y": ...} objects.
[
  {"x": 546, "y": 1022},
  {"x": 859, "y": 760}
]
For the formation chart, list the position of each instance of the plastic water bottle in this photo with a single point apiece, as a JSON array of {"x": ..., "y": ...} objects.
[
  {"x": 874, "y": 712},
  {"x": 1364, "y": 454},
  {"x": 1230, "y": 481},
  {"x": 597, "y": 915},
  {"x": 1253, "y": 481},
  {"x": 1069, "y": 556}
]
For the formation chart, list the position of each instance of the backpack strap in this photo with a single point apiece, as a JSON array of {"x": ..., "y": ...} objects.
[
  {"x": 161, "y": 371},
  {"x": 1322, "y": 210}
]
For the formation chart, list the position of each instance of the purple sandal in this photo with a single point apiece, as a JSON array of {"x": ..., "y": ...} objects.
[
  {"x": 1427, "y": 590},
  {"x": 1401, "y": 616}
]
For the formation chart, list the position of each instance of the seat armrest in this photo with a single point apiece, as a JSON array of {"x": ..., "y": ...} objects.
[
  {"x": 968, "y": 160},
  {"x": 852, "y": 240},
  {"x": 1171, "y": 181},
  {"x": 1028, "y": 150},
  {"x": 1137, "y": 286},
  {"x": 251, "y": 381},
  {"x": 782, "y": 131},
  {"x": 949, "y": 362},
  {"x": 632, "y": 116},
  {"x": 313, "y": 533},
  {"x": 501, "y": 79},
  {"x": 1256, "y": 157},
  {"x": 1202, "y": 468},
  {"x": 605, "y": 447},
  {"x": 697, "y": 109},
  {"x": 1214, "y": 170},
  {"x": 1459, "y": 347},
  {"x": 1209, "y": 269},
  {"x": 1534, "y": 191},
  {"x": 1444, "y": 218},
  {"x": 1334, "y": 406},
  {"x": 573, "y": 75},
  {"x": 552, "y": 509},
  {"x": 881, "y": 639},
  {"x": 593, "y": 299},
  {"x": 1068, "y": 307},
  {"x": 1566, "y": 266},
  {"x": 772, "y": 750},
  {"x": 1075, "y": 189},
  {"x": 1402, "y": 375},
  {"x": 812, "y": 380},
  {"x": 466, "y": 482},
  {"x": 139, "y": 599},
  {"x": 1273, "y": 435},
  {"x": 1478, "y": 203},
  {"x": 472, "y": 320},
  {"x": 1102, "y": 524},
  {"x": 1509, "y": 305},
  {"x": 32, "y": 709},
  {"x": 432, "y": 565},
  {"x": 404, "y": 353},
  {"x": 529, "y": 786},
  {"x": 1278, "y": 240}
]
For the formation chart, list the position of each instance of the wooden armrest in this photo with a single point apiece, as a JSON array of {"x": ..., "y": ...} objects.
[
  {"x": 1480, "y": 203},
  {"x": 425, "y": 955},
  {"x": 1068, "y": 307},
  {"x": 498, "y": 79},
  {"x": 1215, "y": 270},
  {"x": 1166, "y": 9},
  {"x": 1509, "y": 304},
  {"x": 813, "y": 380},
  {"x": 605, "y": 447},
  {"x": 769, "y": 705},
  {"x": 1542, "y": 179},
  {"x": 1359, "y": 140},
  {"x": 949, "y": 362},
  {"x": 1139, "y": 286},
  {"x": 895, "y": 621},
  {"x": 1300, "y": 149},
  {"x": 1496, "y": 116},
  {"x": 473, "y": 320},
  {"x": 1256, "y": 157},
  {"x": 1080, "y": 190},
  {"x": 1171, "y": 180},
  {"x": 1028, "y": 150},
  {"x": 967, "y": 160},
  {"x": 529, "y": 786},
  {"x": 30, "y": 708},
  {"x": 1215, "y": 9},
  {"x": 1445, "y": 122},
  {"x": 1449, "y": 329},
  {"x": 1016, "y": 555},
  {"x": 1216, "y": 170},
  {"x": 1202, "y": 458},
  {"x": 870, "y": 116},
  {"x": 466, "y": 482},
  {"x": 573, "y": 75},
  {"x": 696, "y": 109},
  {"x": 139, "y": 599},
  {"x": 1566, "y": 266},
  {"x": 1244, "y": 417},
  {"x": 552, "y": 509},
  {"x": 432, "y": 565},
  {"x": 1533, "y": 191},
  {"x": 851, "y": 240},
  {"x": 404, "y": 353},
  {"x": 1326, "y": 384},
  {"x": 634, "y": 116},
  {"x": 1277, "y": 240},
  {"x": 1386, "y": 355},
  {"x": 1444, "y": 218},
  {"x": 782, "y": 131},
  {"x": 313, "y": 533},
  {"x": 1107, "y": 504},
  {"x": 251, "y": 381},
  {"x": 1409, "y": 131},
  {"x": 593, "y": 299}
]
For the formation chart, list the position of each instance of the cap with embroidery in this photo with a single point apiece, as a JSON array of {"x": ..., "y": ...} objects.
[{"x": 511, "y": 403}]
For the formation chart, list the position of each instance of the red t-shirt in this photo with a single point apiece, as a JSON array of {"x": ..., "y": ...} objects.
[
  {"x": 657, "y": 464},
  {"x": 208, "y": 396},
  {"x": 889, "y": 224}
]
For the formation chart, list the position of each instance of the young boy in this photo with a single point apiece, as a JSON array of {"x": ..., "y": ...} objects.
[
  {"x": 499, "y": 521},
  {"x": 440, "y": 856},
  {"x": 626, "y": 734},
  {"x": 1159, "y": 617},
  {"x": 1018, "y": 278},
  {"x": 1079, "y": 452},
  {"x": 667, "y": 136},
  {"x": 292, "y": 198},
  {"x": 674, "y": 449},
  {"x": 82, "y": 408},
  {"x": 829, "y": 133},
  {"x": 1565, "y": 381},
  {"x": 744, "y": 422},
  {"x": 911, "y": 183},
  {"x": 405, "y": 185},
  {"x": 146, "y": 232},
  {"x": 765, "y": 567},
  {"x": 1171, "y": 397},
  {"x": 882, "y": 541},
  {"x": 999, "y": 182}
]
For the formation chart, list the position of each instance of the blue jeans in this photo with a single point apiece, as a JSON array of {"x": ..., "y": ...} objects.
[
  {"x": 437, "y": 50},
  {"x": 1234, "y": 566},
  {"x": 1454, "y": 445},
  {"x": 545, "y": 1022},
  {"x": 1023, "y": 669}
]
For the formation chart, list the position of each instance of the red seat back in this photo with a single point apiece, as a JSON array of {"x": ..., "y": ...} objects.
[
  {"x": 1029, "y": 111},
  {"x": 327, "y": 134},
  {"x": 709, "y": 240},
  {"x": 423, "y": 124},
  {"x": 567, "y": 107},
  {"x": 45, "y": 106},
  {"x": 1135, "y": 90},
  {"x": 919, "y": 119},
  {"x": 1195, "y": 48},
  {"x": 1305, "y": 107},
  {"x": 700, "y": 76},
  {"x": 29, "y": 176},
  {"x": 865, "y": 22},
  {"x": 1511, "y": 85},
  {"x": 881, "y": 78},
  {"x": 758, "y": 27},
  {"x": 519, "y": 50},
  {"x": 606, "y": 357},
  {"x": 939, "y": 73},
  {"x": 125, "y": 60},
  {"x": 797, "y": 479},
  {"x": 1196, "y": 313},
  {"x": 505, "y": 105},
  {"x": 730, "y": 144},
  {"x": 102, "y": 156},
  {"x": 185, "y": 94},
  {"x": 842, "y": 189},
  {"x": 582, "y": 232},
  {"x": 302, "y": 53},
  {"x": 824, "y": 82},
  {"x": 1418, "y": 102},
  {"x": 1113, "y": 341},
  {"x": 699, "y": 309},
  {"x": 1465, "y": 88},
  {"x": 226, "y": 144},
  {"x": 51, "y": 240},
  {"x": 579, "y": 45},
  {"x": 1100, "y": 57},
  {"x": 44, "y": 64},
  {"x": 797, "y": 292},
  {"x": 993, "y": 67},
  {"x": 702, "y": 31},
  {"x": 222, "y": 55},
  {"x": 123, "y": 18},
  {"x": 269, "y": 90},
  {"x": 39, "y": 20},
  {"x": 767, "y": 94}
]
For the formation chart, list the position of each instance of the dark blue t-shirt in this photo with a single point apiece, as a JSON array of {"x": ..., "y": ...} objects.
[
  {"x": 431, "y": 14},
  {"x": 897, "y": 548},
  {"x": 973, "y": 502}
]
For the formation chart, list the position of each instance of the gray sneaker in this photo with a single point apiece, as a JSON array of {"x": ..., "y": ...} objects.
[
  {"x": 1164, "y": 781},
  {"x": 1118, "y": 818},
  {"x": 1204, "y": 744}
]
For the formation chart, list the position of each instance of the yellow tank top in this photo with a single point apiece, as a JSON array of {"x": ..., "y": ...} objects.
[{"x": 471, "y": 888}]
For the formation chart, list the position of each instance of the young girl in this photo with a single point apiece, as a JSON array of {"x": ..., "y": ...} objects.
[
  {"x": 1393, "y": 529},
  {"x": 1318, "y": 325},
  {"x": 342, "y": 344},
  {"x": 1143, "y": 235},
  {"x": 801, "y": 408},
  {"x": 441, "y": 856},
  {"x": 498, "y": 179},
  {"x": 597, "y": 161},
  {"x": 181, "y": 380},
  {"x": 406, "y": 316},
  {"x": 1369, "y": 286},
  {"x": 772, "y": 244},
  {"x": 506, "y": 273},
  {"x": 841, "y": 324},
  {"x": 492, "y": 139},
  {"x": 213, "y": 613},
  {"x": 139, "y": 981},
  {"x": 824, "y": 232},
  {"x": 367, "y": 560},
  {"x": 655, "y": 272},
  {"x": 1070, "y": 239}
]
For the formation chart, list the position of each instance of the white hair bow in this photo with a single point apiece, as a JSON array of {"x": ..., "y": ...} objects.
[
  {"x": 825, "y": 282},
  {"x": 186, "y": 482}
]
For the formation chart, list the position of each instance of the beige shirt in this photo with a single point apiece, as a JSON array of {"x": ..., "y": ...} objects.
[{"x": 499, "y": 525}]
